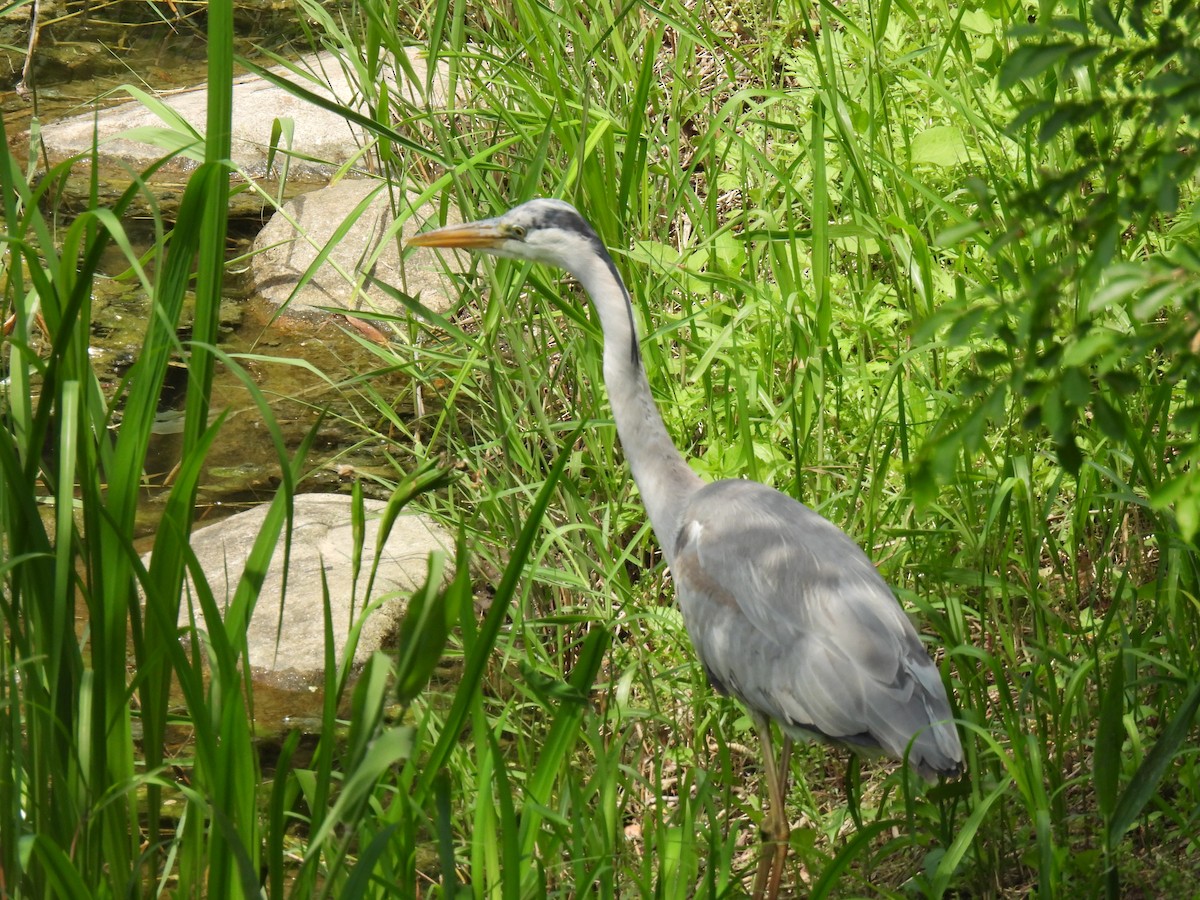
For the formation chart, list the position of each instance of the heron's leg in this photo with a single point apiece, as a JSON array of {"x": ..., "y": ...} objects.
[{"x": 775, "y": 827}]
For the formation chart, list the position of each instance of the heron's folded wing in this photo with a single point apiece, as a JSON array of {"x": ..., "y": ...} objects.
[{"x": 788, "y": 614}]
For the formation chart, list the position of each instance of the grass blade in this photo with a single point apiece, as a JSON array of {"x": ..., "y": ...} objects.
[
  {"x": 486, "y": 637},
  {"x": 1110, "y": 738},
  {"x": 1149, "y": 775}
]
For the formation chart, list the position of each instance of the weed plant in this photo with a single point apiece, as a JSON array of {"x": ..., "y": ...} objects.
[{"x": 876, "y": 266}]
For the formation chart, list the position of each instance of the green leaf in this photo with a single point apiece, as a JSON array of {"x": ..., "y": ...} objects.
[
  {"x": 855, "y": 848},
  {"x": 550, "y": 690},
  {"x": 445, "y": 833},
  {"x": 1149, "y": 775},
  {"x": 1112, "y": 423},
  {"x": 1110, "y": 737},
  {"x": 423, "y": 632},
  {"x": 1029, "y": 61},
  {"x": 1068, "y": 452},
  {"x": 1083, "y": 352},
  {"x": 978, "y": 21},
  {"x": 942, "y": 145},
  {"x": 480, "y": 653},
  {"x": 1187, "y": 514},
  {"x": 61, "y": 871},
  {"x": 564, "y": 733},
  {"x": 510, "y": 845},
  {"x": 1123, "y": 280},
  {"x": 965, "y": 838},
  {"x": 1076, "y": 388},
  {"x": 656, "y": 254},
  {"x": 390, "y": 747},
  {"x": 730, "y": 253},
  {"x": 1103, "y": 16},
  {"x": 1065, "y": 115}
]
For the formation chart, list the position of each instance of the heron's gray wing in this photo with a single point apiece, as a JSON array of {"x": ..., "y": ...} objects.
[{"x": 789, "y": 615}]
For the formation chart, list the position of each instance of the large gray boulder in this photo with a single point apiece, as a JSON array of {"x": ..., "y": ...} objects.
[
  {"x": 286, "y": 636},
  {"x": 301, "y": 229},
  {"x": 133, "y": 135}
]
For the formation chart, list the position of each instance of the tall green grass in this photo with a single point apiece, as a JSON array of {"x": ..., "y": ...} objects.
[
  {"x": 83, "y": 798},
  {"x": 825, "y": 218},
  {"x": 807, "y": 211}
]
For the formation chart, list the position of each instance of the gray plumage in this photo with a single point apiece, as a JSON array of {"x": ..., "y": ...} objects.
[
  {"x": 786, "y": 613},
  {"x": 789, "y": 616}
]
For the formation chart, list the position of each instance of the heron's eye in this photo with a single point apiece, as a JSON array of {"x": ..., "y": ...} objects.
[{"x": 517, "y": 231}]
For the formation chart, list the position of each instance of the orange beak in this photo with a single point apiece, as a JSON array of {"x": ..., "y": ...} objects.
[{"x": 481, "y": 235}]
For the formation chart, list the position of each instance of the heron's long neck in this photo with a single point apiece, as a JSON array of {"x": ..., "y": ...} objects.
[{"x": 663, "y": 477}]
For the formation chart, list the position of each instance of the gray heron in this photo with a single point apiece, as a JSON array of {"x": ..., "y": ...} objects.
[{"x": 786, "y": 612}]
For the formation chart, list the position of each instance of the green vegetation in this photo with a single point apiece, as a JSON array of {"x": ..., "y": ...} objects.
[{"x": 931, "y": 269}]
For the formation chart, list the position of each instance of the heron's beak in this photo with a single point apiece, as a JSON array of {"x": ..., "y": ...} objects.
[{"x": 482, "y": 235}]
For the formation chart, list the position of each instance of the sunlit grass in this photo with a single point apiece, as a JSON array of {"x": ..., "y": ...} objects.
[{"x": 785, "y": 257}]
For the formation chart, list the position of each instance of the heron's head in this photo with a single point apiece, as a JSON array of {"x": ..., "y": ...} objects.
[{"x": 546, "y": 231}]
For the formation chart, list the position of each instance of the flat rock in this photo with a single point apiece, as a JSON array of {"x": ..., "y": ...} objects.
[
  {"x": 132, "y": 135},
  {"x": 286, "y": 639},
  {"x": 286, "y": 248}
]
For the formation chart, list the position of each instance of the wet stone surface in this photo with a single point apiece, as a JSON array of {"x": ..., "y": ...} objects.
[
  {"x": 286, "y": 636},
  {"x": 368, "y": 254}
]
